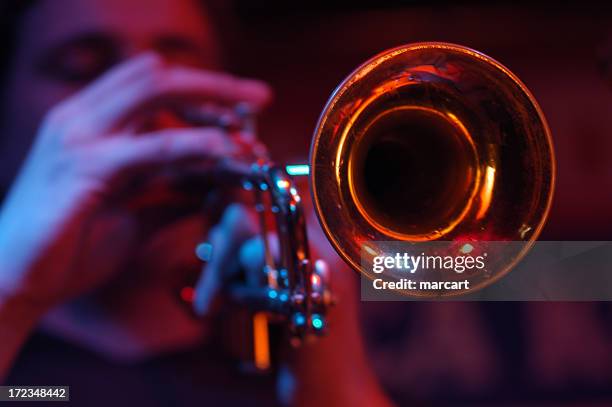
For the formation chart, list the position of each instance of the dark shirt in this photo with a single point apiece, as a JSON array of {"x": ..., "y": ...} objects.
[{"x": 197, "y": 377}]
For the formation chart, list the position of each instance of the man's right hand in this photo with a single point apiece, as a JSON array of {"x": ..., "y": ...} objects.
[{"x": 59, "y": 237}]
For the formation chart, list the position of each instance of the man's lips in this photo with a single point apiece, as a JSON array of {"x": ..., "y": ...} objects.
[{"x": 174, "y": 211}]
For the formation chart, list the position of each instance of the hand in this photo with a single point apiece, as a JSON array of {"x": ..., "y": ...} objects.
[
  {"x": 61, "y": 232},
  {"x": 333, "y": 370}
]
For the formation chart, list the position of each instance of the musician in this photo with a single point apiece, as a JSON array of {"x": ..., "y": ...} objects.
[{"x": 94, "y": 237}]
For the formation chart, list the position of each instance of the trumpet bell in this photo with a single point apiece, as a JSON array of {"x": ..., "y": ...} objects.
[{"x": 431, "y": 142}]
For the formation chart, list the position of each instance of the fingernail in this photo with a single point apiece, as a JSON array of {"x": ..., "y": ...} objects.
[
  {"x": 258, "y": 86},
  {"x": 204, "y": 251}
]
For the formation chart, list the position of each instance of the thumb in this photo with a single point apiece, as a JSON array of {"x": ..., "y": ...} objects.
[
  {"x": 235, "y": 227},
  {"x": 252, "y": 258}
]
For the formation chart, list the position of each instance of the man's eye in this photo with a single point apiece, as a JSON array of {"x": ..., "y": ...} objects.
[{"x": 77, "y": 65}]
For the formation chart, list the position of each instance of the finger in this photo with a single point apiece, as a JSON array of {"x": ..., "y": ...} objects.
[
  {"x": 235, "y": 227},
  {"x": 115, "y": 154},
  {"x": 257, "y": 293},
  {"x": 116, "y": 78},
  {"x": 216, "y": 86},
  {"x": 252, "y": 261},
  {"x": 169, "y": 85}
]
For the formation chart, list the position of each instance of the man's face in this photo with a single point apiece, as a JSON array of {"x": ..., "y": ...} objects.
[{"x": 63, "y": 45}]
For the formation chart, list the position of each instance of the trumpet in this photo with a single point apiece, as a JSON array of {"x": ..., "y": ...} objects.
[
  {"x": 432, "y": 142},
  {"x": 423, "y": 142},
  {"x": 296, "y": 286}
]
